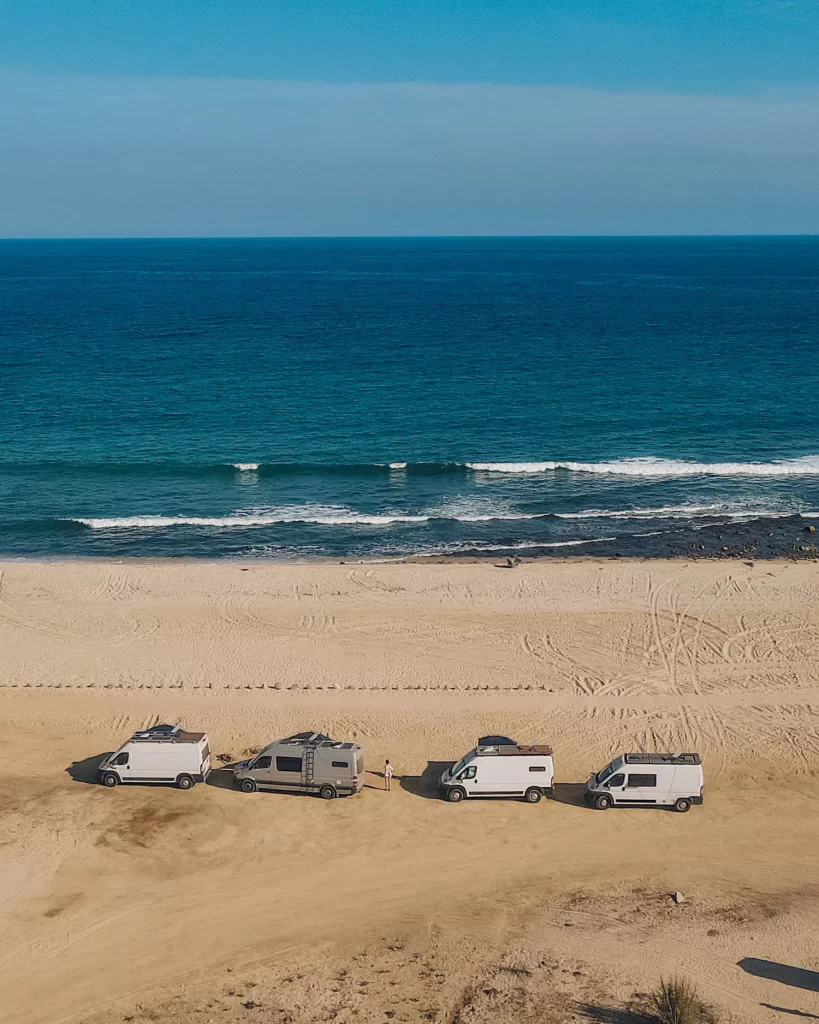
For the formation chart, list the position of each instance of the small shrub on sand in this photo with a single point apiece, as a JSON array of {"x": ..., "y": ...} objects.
[{"x": 676, "y": 1002}]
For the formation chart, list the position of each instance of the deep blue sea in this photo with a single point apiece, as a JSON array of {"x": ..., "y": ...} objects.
[{"x": 308, "y": 399}]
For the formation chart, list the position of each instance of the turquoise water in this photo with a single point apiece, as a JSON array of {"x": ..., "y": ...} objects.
[{"x": 382, "y": 397}]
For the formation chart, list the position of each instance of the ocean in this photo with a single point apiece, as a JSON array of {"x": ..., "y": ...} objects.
[{"x": 381, "y": 398}]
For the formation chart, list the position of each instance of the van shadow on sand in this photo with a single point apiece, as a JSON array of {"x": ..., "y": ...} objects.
[
  {"x": 793, "y": 1013},
  {"x": 796, "y": 977},
  {"x": 221, "y": 777},
  {"x": 425, "y": 784},
  {"x": 86, "y": 770},
  {"x": 570, "y": 793}
]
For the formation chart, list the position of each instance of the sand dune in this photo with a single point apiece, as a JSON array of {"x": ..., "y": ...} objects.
[{"x": 152, "y": 904}]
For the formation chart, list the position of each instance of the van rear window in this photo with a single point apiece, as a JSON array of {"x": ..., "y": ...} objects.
[
  {"x": 359, "y": 765},
  {"x": 288, "y": 764},
  {"x": 341, "y": 764},
  {"x": 642, "y": 781}
]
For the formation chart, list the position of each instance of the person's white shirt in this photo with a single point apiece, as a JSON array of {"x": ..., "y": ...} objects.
[{"x": 388, "y": 771}]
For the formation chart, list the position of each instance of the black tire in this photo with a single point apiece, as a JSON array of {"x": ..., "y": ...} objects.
[
  {"x": 533, "y": 795},
  {"x": 682, "y": 805},
  {"x": 455, "y": 795},
  {"x": 247, "y": 786},
  {"x": 328, "y": 793},
  {"x": 110, "y": 779},
  {"x": 603, "y": 802},
  {"x": 185, "y": 782}
]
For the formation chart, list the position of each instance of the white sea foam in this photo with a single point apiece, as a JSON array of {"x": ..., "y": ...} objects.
[
  {"x": 245, "y": 467},
  {"x": 337, "y": 516},
  {"x": 808, "y": 465},
  {"x": 398, "y": 465}
]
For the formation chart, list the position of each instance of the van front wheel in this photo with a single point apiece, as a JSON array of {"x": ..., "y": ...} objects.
[
  {"x": 110, "y": 779},
  {"x": 682, "y": 805},
  {"x": 247, "y": 786},
  {"x": 603, "y": 802},
  {"x": 327, "y": 793},
  {"x": 185, "y": 782},
  {"x": 455, "y": 795},
  {"x": 533, "y": 796}
]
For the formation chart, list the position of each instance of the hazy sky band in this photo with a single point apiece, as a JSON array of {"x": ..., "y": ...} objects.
[{"x": 136, "y": 156}]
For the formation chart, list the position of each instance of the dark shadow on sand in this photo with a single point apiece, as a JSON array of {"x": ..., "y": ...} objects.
[
  {"x": 794, "y": 1013},
  {"x": 796, "y": 977},
  {"x": 221, "y": 777},
  {"x": 570, "y": 793},
  {"x": 610, "y": 1015},
  {"x": 425, "y": 784},
  {"x": 86, "y": 770}
]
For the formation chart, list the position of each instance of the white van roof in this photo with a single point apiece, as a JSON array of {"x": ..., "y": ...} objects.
[
  {"x": 166, "y": 734},
  {"x": 514, "y": 749},
  {"x": 662, "y": 759}
]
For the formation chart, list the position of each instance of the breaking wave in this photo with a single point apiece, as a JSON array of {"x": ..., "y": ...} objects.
[
  {"x": 333, "y": 516},
  {"x": 808, "y": 465}
]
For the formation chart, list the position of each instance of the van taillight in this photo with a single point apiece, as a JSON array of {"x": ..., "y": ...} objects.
[
  {"x": 355, "y": 780},
  {"x": 701, "y": 789}
]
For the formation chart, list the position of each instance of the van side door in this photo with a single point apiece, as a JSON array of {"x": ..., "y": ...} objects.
[
  {"x": 641, "y": 788},
  {"x": 260, "y": 771},
  {"x": 616, "y": 787}
]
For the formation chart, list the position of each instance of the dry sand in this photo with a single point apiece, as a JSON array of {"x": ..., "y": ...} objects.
[{"x": 150, "y": 904}]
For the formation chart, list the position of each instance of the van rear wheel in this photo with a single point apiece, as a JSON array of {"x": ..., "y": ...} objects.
[
  {"x": 328, "y": 793},
  {"x": 110, "y": 779},
  {"x": 603, "y": 802},
  {"x": 533, "y": 796},
  {"x": 455, "y": 795},
  {"x": 682, "y": 805},
  {"x": 247, "y": 786},
  {"x": 185, "y": 782}
]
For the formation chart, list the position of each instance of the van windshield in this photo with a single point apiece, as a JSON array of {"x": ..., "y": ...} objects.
[
  {"x": 464, "y": 760},
  {"x": 601, "y": 777}
]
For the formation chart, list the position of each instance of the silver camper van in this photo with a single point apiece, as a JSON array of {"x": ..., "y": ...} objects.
[
  {"x": 647, "y": 780},
  {"x": 163, "y": 753},
  {"x": 308, "y": 762}
]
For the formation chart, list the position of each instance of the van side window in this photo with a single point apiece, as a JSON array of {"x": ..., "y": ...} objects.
[
  {"x": 288, "y": 764},
  {"x": 120, "y": 759},
  {"x": 262, "y": 762},
  {"x": 642, "y": 781},
  {"x": 537, "y": 767},
  {"x": 470, "y": 772},
  {"x": 616, "y": 781},
  {"x": 341, "y": 764}
]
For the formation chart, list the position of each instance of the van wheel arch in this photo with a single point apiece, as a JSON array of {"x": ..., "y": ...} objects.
[
  {"x": 184, "y": 781},
  {"x": 533, "y": 795},
  {"x": 111, "y": 780},
  {"x": 455, "y": 795}
]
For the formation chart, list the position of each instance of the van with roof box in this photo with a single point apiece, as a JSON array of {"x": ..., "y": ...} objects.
[
  {"x": 647, "y": 780},
  {"x": 500, "y": 767},
  {"x": 163, "y": 753},
  {"x": 308, "y": 762}
]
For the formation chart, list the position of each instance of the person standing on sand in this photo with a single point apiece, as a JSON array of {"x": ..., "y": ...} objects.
[{"x": 387, "y": 775}]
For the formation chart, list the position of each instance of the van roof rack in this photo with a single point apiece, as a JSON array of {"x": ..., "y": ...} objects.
[
  {"x": 663, "y": 759},
  {"x": 165, "y": 734},
  {"x": 513, "y": 749}
]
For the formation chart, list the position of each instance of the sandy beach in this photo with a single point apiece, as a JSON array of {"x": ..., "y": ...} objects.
[{"x": 150, "y": 904}]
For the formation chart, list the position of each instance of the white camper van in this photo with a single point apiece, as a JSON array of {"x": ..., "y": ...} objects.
[
  {"x": 164, "y": 753},
  {"x": 647, "y": 780},
  {"x": 500, "y": 767}
]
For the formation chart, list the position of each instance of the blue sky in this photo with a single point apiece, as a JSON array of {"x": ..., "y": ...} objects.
[{"x": 398, "y": 117}]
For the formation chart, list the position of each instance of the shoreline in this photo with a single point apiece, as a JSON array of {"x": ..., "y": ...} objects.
[{"x": 775, "y": 538}]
